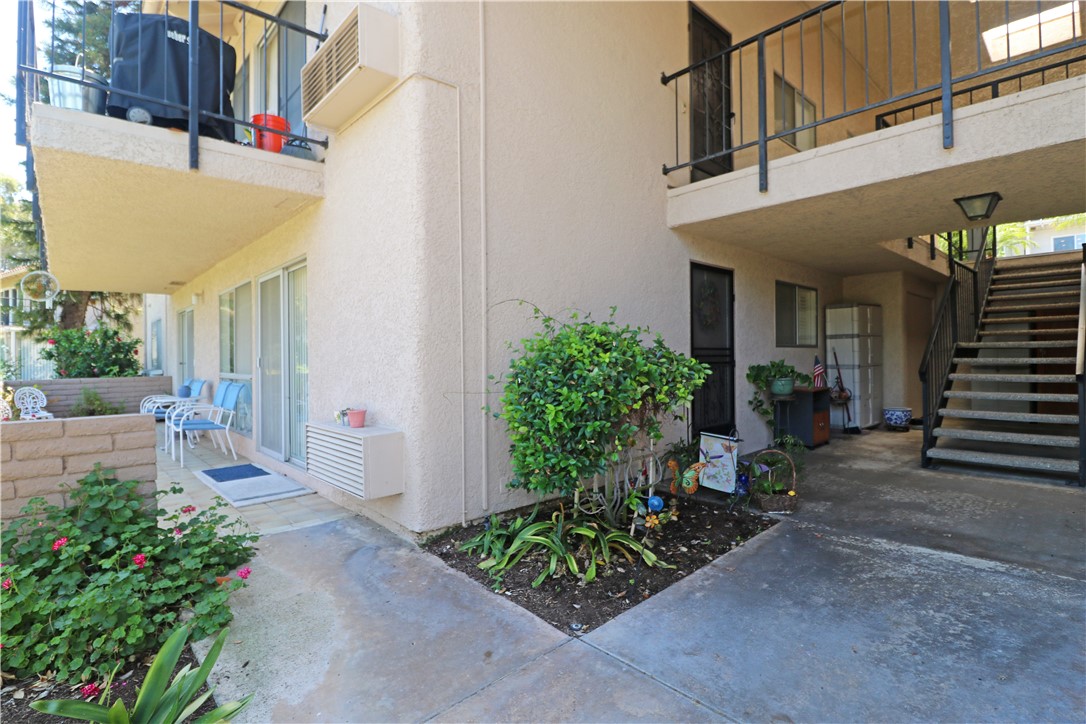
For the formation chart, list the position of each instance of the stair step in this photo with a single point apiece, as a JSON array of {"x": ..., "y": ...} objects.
[
  {"x": 1013, "y": 361},
  {"x": 969, "y": 377},
  {"x": 1029, "y": 332},
  {"x": 1026, "y": 462},
  {"x": 1029, "y": 307},
  {"x": 1031, "y": 344},
  {"x": 999, "y": 286},
  {"x": 1067, "y": 267},
  {"x": 1001, "y": 416},
  {"x": 1020, "y": 438},
  {"x": 1028, "y": 296},
  {"x": 1029, "y": 320},
  {"x": 1011, "y": 396}
]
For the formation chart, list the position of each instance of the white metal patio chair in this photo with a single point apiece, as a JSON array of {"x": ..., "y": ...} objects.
[
  {"x": 186, "y": 423},
  {"x": 31, "y": 403},
  {"x": 5, "y": 410}
]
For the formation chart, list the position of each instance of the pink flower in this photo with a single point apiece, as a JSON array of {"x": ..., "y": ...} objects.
[
  {"x": 245, "y": 572},
  {"x": 64, "y": 373},
  {"x": 52, "y": 342},
  {"x": 6, "y": 584},
  {"x": 60, "y": 543},
  {"x": 189, "y": 509},
  {"x": 139, "y": 559},
  {"x": 177, "y": 532},
  {"x": 90, "y": 691}
]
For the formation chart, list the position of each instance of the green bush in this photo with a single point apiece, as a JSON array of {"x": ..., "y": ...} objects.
[
  {"x": 87, "y": 586},
  {"x": 580, "y": 392},
  {"x": 102, "y": 352},
  {"x": 91, "y": 404}
]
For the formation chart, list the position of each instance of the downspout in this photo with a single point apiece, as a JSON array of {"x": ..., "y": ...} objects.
[{"x": 484, "y": 306}]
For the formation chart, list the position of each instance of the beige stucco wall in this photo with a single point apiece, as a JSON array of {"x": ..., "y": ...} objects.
[{"x": 479, "y": 180}]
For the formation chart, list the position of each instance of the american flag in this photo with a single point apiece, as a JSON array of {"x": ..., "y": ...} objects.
[{"x": 819, "y": 373}]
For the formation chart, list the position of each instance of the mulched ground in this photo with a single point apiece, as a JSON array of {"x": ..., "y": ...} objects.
[
  {"x": 16, "y": 696},
  {"x": 705, "y": 529}
]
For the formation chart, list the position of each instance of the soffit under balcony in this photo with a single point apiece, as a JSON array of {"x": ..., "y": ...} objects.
[
  {"x": 833, "y": 207},
  {"x": 122, "y": 211}
]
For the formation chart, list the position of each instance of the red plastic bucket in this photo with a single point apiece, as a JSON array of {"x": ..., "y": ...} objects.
[{"x": 267, "y": 140}]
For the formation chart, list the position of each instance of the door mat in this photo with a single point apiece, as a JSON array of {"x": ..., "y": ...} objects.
[
  {"x": 234, "y": 472},
  {"x": 265, "y": 488}
]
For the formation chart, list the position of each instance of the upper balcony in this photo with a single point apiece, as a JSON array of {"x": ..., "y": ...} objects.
[
  {"x": 829, "y": 134},
  {"x": 154, "y": 157}
]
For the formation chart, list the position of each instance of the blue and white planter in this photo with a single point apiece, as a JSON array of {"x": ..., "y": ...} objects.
[{"x": 897, "y": 416}]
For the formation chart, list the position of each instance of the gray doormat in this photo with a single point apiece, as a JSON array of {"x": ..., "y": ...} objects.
[{"x": 258, "y": 489}]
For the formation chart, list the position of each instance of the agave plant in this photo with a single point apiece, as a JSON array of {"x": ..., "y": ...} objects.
[{"x": 156, "y": 702}]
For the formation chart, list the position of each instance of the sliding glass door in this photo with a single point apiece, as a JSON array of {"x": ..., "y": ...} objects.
[{"x": 283, "y": 363}]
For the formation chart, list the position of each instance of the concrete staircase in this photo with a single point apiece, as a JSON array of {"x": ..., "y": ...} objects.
[{"x": 1013, "y": 400}]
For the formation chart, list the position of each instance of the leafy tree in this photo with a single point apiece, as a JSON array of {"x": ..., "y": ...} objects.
[{"x": 75, "y": 42}]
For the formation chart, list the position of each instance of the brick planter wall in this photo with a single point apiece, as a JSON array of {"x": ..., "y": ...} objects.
[
  {"x": 124, "y": 391},
  {"x": 37, "y": 459}
]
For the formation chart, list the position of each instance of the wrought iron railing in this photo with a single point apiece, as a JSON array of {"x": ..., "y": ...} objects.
[
  {"x": 101, "y": 44},
  {"x": 838, "y": 60},
  {"x": 957, "y": 320},
  {"x": 1080, "y": 371},
  {"x": 984, "y": 91}
]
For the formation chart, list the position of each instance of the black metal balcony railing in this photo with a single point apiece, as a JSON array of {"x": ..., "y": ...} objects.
[
  {"x": 148, "y": 62},
  {"x": 850, "y": 57}
]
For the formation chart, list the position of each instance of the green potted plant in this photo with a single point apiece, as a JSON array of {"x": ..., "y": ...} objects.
[{"x": 778, "y": 378}]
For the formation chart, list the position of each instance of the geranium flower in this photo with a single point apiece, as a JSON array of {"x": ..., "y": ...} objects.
[
  {"x": 189, "y": 509},
  {"x": 245, "y": 572},
  {"x": 139, "y": 559},
  {"x": 51, "y": 342},
  {"x": 60, "y": 543},
  {"x": 177, "y": 532},
  {"x": 6, "y": 584},
  {"x": 90, "y": 691}
]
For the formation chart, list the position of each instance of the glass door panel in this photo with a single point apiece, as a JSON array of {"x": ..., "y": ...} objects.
[
  {"x": 298, "y": 361},
  {"x": 271, "y": 391},
  {"x": 186, "y": 367}
]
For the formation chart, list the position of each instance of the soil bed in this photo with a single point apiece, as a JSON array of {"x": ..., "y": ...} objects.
[
  {"x": 126, "y": 685},
  {"x": 706, "y": 528}
]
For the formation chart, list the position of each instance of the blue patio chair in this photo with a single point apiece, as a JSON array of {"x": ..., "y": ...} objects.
[{"x": 193, "y": 418}]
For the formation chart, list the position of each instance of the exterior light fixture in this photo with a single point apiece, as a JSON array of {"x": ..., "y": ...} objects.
[{"x": 979, "y": 207}]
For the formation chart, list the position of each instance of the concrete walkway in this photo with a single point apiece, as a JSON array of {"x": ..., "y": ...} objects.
[{"x": 894, "y": 594}]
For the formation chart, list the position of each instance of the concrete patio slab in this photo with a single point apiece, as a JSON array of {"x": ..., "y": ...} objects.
[
  {"x": 872, "y": 485},
  {"x": 347, "y": 622},
  {"x": 801, "y": 625},
  {"x": 577, "y": 683}
]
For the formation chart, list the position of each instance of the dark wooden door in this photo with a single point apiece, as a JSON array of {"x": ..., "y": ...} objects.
[
  {"x": 710, "y": 97},
  {"x": 712, "y": 336}
]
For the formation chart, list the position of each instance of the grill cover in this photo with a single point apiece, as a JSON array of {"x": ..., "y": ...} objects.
[{"x": 149, "y": 55}]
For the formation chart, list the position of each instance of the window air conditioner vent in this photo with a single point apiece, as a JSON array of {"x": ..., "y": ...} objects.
[
  {"x": 359, "y": 61},
  {"x": 364, "y": 461}
]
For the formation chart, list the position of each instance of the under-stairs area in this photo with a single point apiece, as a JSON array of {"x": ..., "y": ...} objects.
[{"x": 1012, "y": 394}]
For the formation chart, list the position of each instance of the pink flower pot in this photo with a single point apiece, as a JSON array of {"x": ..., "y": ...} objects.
[{"x": 356, "y": 418}]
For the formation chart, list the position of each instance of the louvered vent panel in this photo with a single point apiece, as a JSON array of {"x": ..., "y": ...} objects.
[
  {"x": 367, "y": 462},
  {"x": 354, "y": 66}
]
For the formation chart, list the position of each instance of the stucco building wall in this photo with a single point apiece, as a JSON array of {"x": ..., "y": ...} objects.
[{"x": 518, "y": 159}]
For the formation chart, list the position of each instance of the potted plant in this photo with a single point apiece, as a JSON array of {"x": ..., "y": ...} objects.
[
  {"x": 778, "y": 378},
  {"x": 772, "y": 480}
]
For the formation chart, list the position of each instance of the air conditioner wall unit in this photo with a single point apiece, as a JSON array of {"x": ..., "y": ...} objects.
[{"x": 359, "y": 61}]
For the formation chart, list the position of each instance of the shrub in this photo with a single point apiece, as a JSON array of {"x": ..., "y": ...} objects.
[
  {"x": 581, "y": 392},
  {"x": 102, "y": 352},
  {"x": 91, "y": 404},
  {"x": 87, "y": 586}
]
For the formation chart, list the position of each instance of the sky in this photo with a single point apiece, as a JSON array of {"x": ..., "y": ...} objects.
[{"x": 10, "y": 154}]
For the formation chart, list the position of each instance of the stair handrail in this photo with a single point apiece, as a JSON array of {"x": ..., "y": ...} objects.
[
  {"x": 957, "y": 320},
  {"x": 1080, "y": 372}
]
